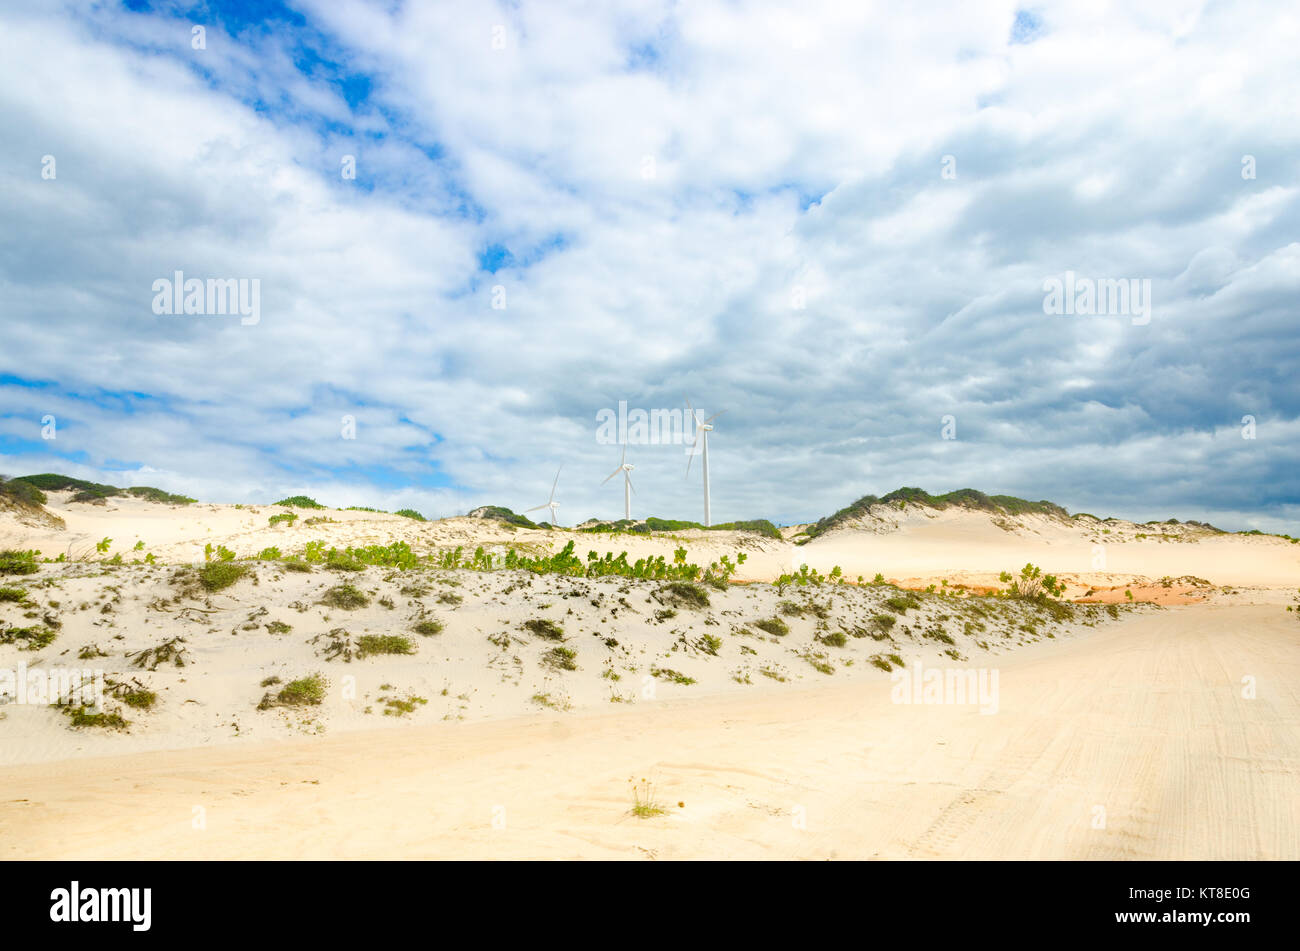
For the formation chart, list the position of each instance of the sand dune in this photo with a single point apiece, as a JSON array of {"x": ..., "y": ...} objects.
[
  {"x": 1144, "y": 719},
  {"x": 1116, "y": 733}
]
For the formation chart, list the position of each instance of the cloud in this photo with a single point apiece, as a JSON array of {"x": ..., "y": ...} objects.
[{"x": 747, "y": 207}]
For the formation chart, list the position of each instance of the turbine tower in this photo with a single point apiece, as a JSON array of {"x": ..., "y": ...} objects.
[
  {"x": 550, "y": 503},
  {"x": 625, "y": 468},
  {"x": 702, "y": 430}
]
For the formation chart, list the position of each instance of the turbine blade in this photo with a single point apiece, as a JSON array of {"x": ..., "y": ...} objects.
[
  {"x": 536, "y": 507},
  {"x": 612, "y": 474},
  {"x": 629, "y": 483},
  {"x": 715, "y": 415},
  {"x": 624, "y": 455},
  {"x": 555, "y": 483}
]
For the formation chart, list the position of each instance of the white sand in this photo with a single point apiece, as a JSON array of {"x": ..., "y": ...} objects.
[{"x": 1142, "y": 717}]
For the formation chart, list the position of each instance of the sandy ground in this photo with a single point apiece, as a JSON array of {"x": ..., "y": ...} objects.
[
  {"x": 1123, "y": 732},
  {"x": 1132, "y": 742}
]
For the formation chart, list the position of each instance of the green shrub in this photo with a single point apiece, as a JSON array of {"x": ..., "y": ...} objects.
[
  {"x": 13, "y": 594},
  {"x": 369, "y": 644},
  {"x": 33, "y": 638},
  {"x": 307, "y": 691},
  {"x": 428, "y": 628},
  {"x": 684, "y": 594},
  {"x": 345, "y": 597},
  {"x": 545, "y": 629},
  {"x": 900, "y": 603},
  {"x": 561, "y": 658},
  {"x": 287, "y": 517},
  {"x": 411, "y": 513},
  {"x": 216, "y": 575},
  {"x": 300, "y": 502},
  {"x": 140, "y": 699},
  {"x": 774, "y": 626},
  {"x": 84, "y": 717},
  {"x": 16, "y": 562}
]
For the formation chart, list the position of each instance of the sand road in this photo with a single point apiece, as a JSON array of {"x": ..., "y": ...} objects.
[{"x": 1132, "y": 742}]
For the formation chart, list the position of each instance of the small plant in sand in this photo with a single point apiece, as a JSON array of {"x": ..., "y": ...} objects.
[
  {"x": 672, "y": 676},
  {"x": 546, "y": 700},
  {"x": 561, "y": 658},
  {"x": 344, "y": 597},
  {"x": 301, "y": 502},
  {"x": 644, "y": 803},
  {"x": 15, "y": 562},
  {"x": 396, "y": 707},
  {"x": 283, "y": 518},
  {"x": 1032, "y": 585},
  {"x": 368, "y": 644},
  {"x": 82, "y": 717},
  {"x": 170, "y": 651},
  {"x": 216, "y": 575},
  {"x": 13, "y": 594},
  {"x": 428, "y": 628},
  {"x": 336, "y": 645},
  {"x": 306, "y": 691},
  {"x": 683, "y": 594},
  {"x": 31, "y": 638},
  {"x": 278, "y": 627},
  {"x": 774, "y": 626},
  {"x": 545, "y": 629}
]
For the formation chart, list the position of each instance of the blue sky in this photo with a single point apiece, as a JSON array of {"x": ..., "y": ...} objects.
[{"x": 833, "y": 220}]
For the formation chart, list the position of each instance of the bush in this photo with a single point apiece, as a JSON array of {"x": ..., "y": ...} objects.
[
  {"x": 369, "y": 644},
  {"x": 561, "y": 658},
  {"x": 217, "y": 575},
  {"x": 345, "y": 597},
  {"x": 13, "y": 594},
  {"x": 901, "y": 602},
  {"x": 545, "y": 629},
  {"x": 411, "y": 513},
  {"x": 16, "y": 562},
  {"x": 300, "y": 502},
  {"x": 684, "y": 594},
  {"x": 308, "y": 691},
  {"x": 428, "y": 628},
  {"x": 33, "y": 638},
  {"x": 774, "y": 626}
]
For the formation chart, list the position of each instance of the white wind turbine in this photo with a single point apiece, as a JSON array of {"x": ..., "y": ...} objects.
[
  {"x": 626, "y": 468},
  {"x": 550, "y": 503},
  {"x": 702, "y": 430}
]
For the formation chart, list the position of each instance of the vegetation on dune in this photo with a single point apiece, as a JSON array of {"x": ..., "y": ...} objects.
[
  {"x": 411, "y": 513},
  {"x": 368, "y": 644},
  {"x": 345, "y": 597},
  {"x": 307, "y": 691},
  {"x": 543, "y": 628},
  {"x": 86, "y": 491},
  {"x": 503, "y": 514},
  {"x": 300, "y": 502},
  {"x": 32, "y": 638},
  {"x": 965, "y": 498},
  {"x": 217, "y": 575},
  {"x": 14, "y": 561},
  {"x": 21, "y": 493}
]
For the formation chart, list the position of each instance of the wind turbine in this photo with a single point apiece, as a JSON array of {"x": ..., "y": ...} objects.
[
  {"x": 702, "y": 430},
  {"x": 625, "y": 468},
  {"x": 550, "y": 503}
]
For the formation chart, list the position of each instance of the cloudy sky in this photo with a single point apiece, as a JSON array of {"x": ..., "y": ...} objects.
[{"x": 834, "y": 222}]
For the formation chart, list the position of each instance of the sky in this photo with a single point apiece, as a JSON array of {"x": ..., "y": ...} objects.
[{"x": 834, "y": 223}]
